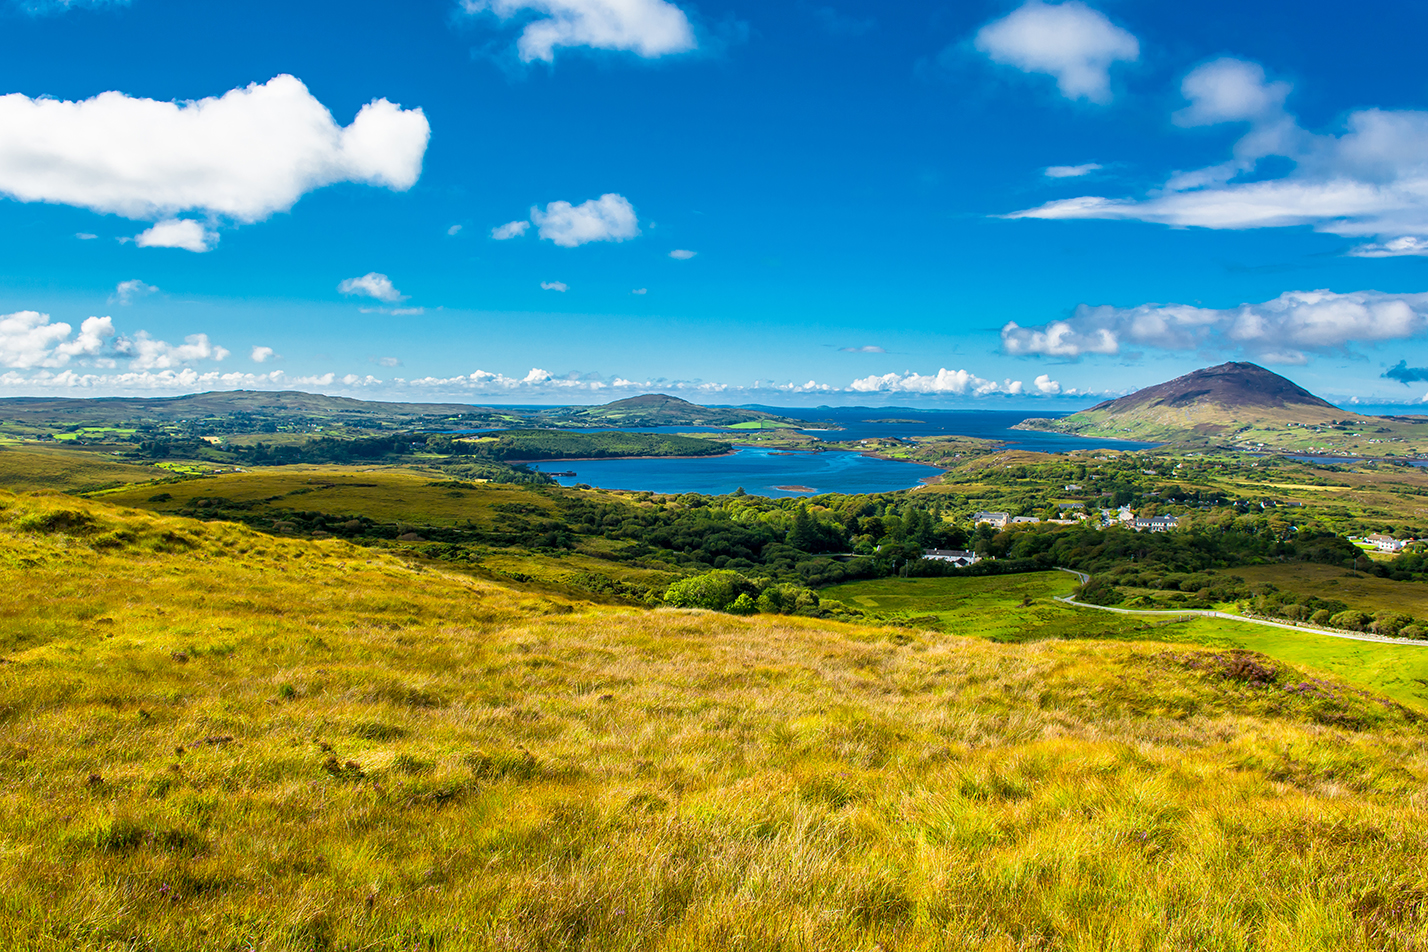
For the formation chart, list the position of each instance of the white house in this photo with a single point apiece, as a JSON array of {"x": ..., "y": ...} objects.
[
  {"x": 995, "y": 519},
  {"x": 1386, "y": 543},
  {"x": 955, "y": 556},
  {"x": 1156, "y": 524}
]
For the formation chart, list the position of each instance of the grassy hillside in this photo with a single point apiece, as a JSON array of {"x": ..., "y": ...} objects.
[
  {"x": 30, "y": 467},
  {"x": 997, "y": 608},
  {"x": 219, "y": 739}
]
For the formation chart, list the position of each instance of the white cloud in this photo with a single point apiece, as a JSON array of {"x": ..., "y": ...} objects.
[
  {"x": 640, "y": 291},
  {"x": 560, "y": 286},
  {"x": 1372, "y": 180},
  {"x": 1071, "y": 171},
  {"x": 680, "y": 254},
  {"x": 611, "y": 217},
  {"x": 146, "y": 353},
  {"x": 186, "y": 380},
  {"x": 865, "y": 349},
  {"x": 1398, "y": 247},
  {"x": 1230, "y": 90},
  {"x": 261, "y": 355},
  {"x": 127, "y": 292},
  {"x": 1277, "y": 331},
  {"x": 648, "y": 28},
  {"x": 388, "y": 362},
  {"x": 242, "y": 156},
  {"x": 1069, "y": 41},
  {"x": 182, "y": 233},
  {"x": 85, "y": 236},
  {"x": 454, "y": 230},
  {"x": 28, "y": 339},
  {"x": 1046, "y": 385},
  {"x": 511, "y": 229},
  {"x": 372, "y": 285},
  {"x": 944, "y": 381}
]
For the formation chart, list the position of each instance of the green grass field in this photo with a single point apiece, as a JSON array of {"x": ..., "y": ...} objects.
[
  {"x": 382, "y": 493},
  {"x": 993, "y": 608}
]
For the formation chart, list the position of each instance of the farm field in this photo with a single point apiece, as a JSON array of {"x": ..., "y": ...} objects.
[
  {"x": 993, "y": 608},
  {"x": 221, "y": 739}
]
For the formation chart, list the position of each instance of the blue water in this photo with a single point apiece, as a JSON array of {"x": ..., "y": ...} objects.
[
  {"x": 759, "y": 471},
  {"x": 858, "y": 424}
]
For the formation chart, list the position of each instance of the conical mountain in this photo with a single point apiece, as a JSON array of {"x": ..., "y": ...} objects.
[{"x": 1208, "y": 404}]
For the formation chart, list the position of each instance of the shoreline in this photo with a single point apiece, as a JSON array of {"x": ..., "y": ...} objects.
[{"x": 599, "y": 459}]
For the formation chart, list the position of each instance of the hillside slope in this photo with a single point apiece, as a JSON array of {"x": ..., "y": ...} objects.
[
  {"x": 657, "y": 409},
  {"x": 219, "y": 739},
  {"x": 1245, "y": 406}
]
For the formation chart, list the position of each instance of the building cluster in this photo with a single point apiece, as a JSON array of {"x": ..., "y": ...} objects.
[{"x": 1124, "y": 517}]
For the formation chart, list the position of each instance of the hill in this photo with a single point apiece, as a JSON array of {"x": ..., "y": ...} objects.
[
  {"x": 658, "y": 409},
  {"x": 1244, "y": 406},
  {"x": 281, "y": 405},
  {"x": 220, "y": 739}
]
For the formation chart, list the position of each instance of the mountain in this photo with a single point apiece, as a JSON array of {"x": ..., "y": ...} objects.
[
  {"x": 293, "y": 406},
  {"x": 284, "y": 404},
  {"x": 1235, "y": 403},
  {"x": 658, "y": 409}
]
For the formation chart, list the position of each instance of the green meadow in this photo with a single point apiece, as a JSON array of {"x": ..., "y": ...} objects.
[
  {"x": 1021, "y": 608},
  {"x": 221, "y": 739}
]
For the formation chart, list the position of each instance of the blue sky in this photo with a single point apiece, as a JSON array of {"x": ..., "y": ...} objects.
[{"x": 529, "y": 201}]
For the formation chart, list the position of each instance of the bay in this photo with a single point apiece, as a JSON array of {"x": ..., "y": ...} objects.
[{"x": 758, "y": 471}]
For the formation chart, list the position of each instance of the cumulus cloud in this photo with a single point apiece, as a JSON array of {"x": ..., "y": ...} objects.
[
  {"x": 513, "y": 229},
  {"x": 865, "y": 349},
  {"x": 242, "y": 156},
  {"x": 943, "y": 382},
  {"x": 372, "y": 285},
  {"x": 1071, "y": 171},
  {"x": 610, "y": 217},
  {"x": 680, "y": 254},
  {"x": 1370, "y": 180},
  {"x": 29, "y": 339},
  {"x": 560, "y": 286},
  {"x": 648, "y": 28},
  {"x": 1044, "y": 384},
  {"x": 454, "y": 230},
  {"x": 1070, "y": 41},
  {"x": 182, "y": 233},
  {"x": 1277, "y": 331},
  {"x": 148, "y": 353},
  {"x": 640, "y": 291},
  {"x": 127, "y": 292},
  {"x": 186, "y": 380},
  {"x": 387, "y": 362},
  {"x": 261, "y": 355}
]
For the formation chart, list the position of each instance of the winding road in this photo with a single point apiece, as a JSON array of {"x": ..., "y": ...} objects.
[{"x": 1313, "y": 629}]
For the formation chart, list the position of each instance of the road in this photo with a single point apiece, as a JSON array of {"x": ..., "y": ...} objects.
[{"x": 1312, "y": 629}]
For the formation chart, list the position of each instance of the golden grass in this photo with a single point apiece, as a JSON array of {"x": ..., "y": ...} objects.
[
  {"x": 214, "y": 739},
  {"x": 27, "y": 467}
]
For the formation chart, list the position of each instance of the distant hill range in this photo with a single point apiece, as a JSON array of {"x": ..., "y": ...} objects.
[
  {"x": 657, "y": 409},
  {"x": 294, "y": 405},
  {"x": 1245, "y": 406}
]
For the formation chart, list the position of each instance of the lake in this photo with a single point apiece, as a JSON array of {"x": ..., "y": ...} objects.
[
  {"x": 761, "y": 471},
  {"x": 758, "y": 470}
]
